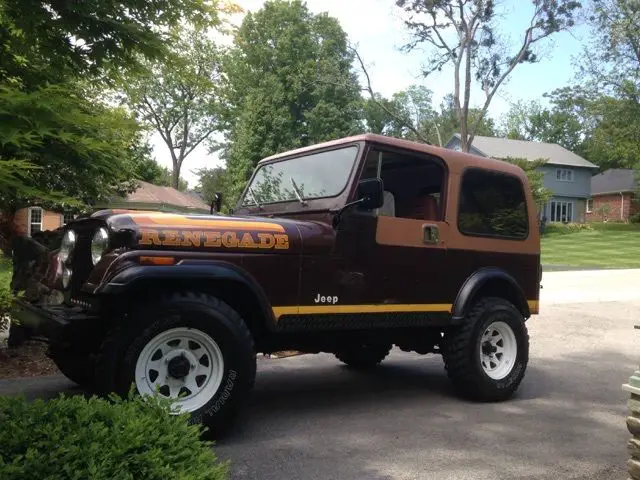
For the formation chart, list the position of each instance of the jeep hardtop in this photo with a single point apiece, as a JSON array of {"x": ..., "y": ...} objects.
[{"x": 348, "y": 247}]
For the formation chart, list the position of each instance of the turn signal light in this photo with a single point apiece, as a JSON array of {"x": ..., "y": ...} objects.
[{"x": 157, "y": 261}]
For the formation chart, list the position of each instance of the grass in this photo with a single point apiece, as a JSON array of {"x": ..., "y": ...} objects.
[{"x": 596, "y": 246}]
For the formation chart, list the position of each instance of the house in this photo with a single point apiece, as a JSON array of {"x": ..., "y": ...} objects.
[
  {"x": 613, "y": 196},
  {"x": 566, "y": 174},
  {"x": 147, "y": 197}
]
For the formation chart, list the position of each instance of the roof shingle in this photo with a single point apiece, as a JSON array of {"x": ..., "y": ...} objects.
[
  {"x": 613, "y": 180},
  {"x": 149, "y": 193},
  {"x": 506, "y": 147}
]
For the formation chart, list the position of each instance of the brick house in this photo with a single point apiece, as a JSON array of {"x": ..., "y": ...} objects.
[
  {"x": 148, "y": 197},
  {"x": 613, "y": 190}
]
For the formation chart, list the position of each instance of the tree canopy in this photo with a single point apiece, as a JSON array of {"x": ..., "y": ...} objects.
[
  {"x": 290, "y": 83},
  {"x": 60, "y": 141},
  {"x": 178, "y": 95},
  {"x": 475, "y": 52}
]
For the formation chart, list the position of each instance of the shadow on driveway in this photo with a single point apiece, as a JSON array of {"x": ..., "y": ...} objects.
[{"x": 309, "y": 417}]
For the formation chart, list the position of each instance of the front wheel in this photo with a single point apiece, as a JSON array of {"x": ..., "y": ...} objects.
[
  {"x": 193, "y": 349},
  {"x": 77, "y": 366},
  {"x": 487, "y": 356}
]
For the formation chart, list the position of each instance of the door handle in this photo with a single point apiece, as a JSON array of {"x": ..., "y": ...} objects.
[{"x": 430, "y": 234}]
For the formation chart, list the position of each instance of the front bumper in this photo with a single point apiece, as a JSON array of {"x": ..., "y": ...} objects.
[{"x": 57, "y": 323}]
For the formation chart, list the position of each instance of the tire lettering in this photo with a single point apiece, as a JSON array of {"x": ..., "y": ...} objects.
[{"x": 226, "y": 393}]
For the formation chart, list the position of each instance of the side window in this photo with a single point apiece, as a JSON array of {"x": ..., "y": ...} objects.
[
  {"x": 413, "y": 183},
  {"x": 492, "y": 204}
]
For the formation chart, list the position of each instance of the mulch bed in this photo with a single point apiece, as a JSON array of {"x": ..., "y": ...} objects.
[
  {"x": 27, "y": 360},
  {"x": 30, "y": 360}
]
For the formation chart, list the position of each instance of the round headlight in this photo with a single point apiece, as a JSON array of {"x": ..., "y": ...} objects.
[
  {"x": 67, "y": 245},
  {"x": 99, "y": 244},
  {"x": 66, "y": 276}
]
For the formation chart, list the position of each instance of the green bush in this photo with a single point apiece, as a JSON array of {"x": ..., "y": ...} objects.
[
  {"x": 79, "y": 438},
  {"x": 635, "y": 218},
  {"x": 565, "y": 228},
  {"x": 5, "y": 290}
]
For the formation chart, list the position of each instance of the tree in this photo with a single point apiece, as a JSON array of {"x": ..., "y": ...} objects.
[
  {"x": 530, "y": 121},
  {"x": 177, "y": 96},
  {"x": 475, "y": 52},
  {"x": 599, "y": 127},
  {"x": 69, "y": 149},
  {"x": 48, "y": 42},
  {"x": 410, "y": 114},
  {"x": 59, "y": 142},
  {"x": 290, "y": 83},
  {"x": 611, "y": 72},
  {"x": 612, "y": 58},
  {"x": 210, "y": 182},
  {"x": 377, "y": 116},
  {"x": 449, "y": 123}
]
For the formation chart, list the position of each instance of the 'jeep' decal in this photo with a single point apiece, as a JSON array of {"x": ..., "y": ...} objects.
[{"x": 191, "y": 238}]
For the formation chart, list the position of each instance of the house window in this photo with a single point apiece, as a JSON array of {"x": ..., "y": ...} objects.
[
  {"x": 562, "y": 211},
  {"x": 589, "y": 205},
  {"x": 35, "y": 220},
  {"x": 564, "y": 175},
  {"x": 67, "y": 217}
]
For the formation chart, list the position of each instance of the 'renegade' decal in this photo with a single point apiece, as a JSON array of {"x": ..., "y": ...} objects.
[{"x": 214, "y": 239}]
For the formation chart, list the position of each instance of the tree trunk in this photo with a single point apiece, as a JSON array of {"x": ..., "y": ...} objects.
[{"x": 175, "y": 176}]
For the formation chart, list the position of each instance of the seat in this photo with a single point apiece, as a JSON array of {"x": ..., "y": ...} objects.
[
  {"x": 388, "y": 208},
  {"x": 425, "y": 207}
]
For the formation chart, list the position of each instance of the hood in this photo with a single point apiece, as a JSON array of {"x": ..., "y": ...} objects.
[{"x": 218, "y": 232}]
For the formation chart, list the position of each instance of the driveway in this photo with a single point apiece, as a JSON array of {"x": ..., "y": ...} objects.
[{"x": 310, "y": 418}]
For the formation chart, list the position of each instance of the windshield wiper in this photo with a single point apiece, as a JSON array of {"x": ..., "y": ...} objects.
[
  {"x": 254, "y": 198},
  {"x": 297, "y": 190}
]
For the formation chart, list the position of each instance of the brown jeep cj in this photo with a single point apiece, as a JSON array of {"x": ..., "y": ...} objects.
[{"x": 347, "y": 247}]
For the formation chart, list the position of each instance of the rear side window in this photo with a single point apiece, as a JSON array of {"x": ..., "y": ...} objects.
[{"x": 492, "y": 204}]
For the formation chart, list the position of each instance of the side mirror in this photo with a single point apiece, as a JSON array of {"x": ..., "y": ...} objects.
[
  {"x": 371, "y": 193},
  {"x": 217, "y": 202}
]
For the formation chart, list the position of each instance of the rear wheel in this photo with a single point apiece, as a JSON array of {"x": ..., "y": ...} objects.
[
  {"x": 487, "y": 356},
  {"x": 191, "y": 348},
  {"x": 363, "y": 357}
]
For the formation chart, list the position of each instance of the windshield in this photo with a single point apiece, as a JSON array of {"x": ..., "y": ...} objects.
[{"x": 323, "y": 174}]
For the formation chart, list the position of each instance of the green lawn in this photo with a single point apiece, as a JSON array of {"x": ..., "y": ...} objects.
[{"x": 604, "y": 246}]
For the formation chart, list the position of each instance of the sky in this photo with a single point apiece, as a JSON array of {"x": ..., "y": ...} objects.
[{"x": 376, "y": 28}]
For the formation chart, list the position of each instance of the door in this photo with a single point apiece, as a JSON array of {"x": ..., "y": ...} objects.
[
  {"x": 407, "y": 266},
  {"x": 386, "y": 266}
]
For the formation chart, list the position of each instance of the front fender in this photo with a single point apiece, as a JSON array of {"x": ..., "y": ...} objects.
[
  {"x": 510, "y": 289},
  {"x": 186, "y": 271}
]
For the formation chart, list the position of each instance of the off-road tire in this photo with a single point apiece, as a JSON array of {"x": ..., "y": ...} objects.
[
  {"x": 77, "y": 367},
  {"x": 119, "y": 353},
  {"x": 461, "y": 352},
  {"x": 363, "y": 357}
]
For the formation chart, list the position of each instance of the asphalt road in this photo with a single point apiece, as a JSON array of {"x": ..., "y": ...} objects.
[{"x": 310, "y": 418}]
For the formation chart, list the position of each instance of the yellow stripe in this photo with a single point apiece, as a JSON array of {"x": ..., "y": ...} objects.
[{"x": 384, "y": 308}]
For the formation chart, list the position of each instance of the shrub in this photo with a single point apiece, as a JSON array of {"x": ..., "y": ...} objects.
[
  {"x": 565, "y": 228},
  {"x": 635, "y": 218},
  {"x": 78, "y": 438}
]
